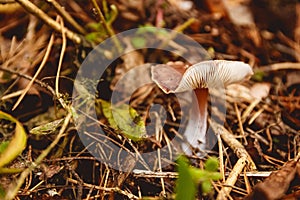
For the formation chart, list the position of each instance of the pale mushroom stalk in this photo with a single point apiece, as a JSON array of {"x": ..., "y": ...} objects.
[
  {"x": 199, "y": 77},
  {"x": 202, "y": 95},
  {"x": 197, "y": 123}
]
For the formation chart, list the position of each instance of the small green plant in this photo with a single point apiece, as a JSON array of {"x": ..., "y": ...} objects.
[{"x": 190, "y": 177}]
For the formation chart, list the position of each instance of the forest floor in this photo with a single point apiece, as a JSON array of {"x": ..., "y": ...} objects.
[{"x": 81, "y": 118}]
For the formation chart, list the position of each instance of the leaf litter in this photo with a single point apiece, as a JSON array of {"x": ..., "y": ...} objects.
[{"x": 262, "y": 114}]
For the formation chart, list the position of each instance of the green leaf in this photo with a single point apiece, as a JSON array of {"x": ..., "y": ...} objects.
[
  {"x": 148, "y": 28},
  {"x": 3, "y": 146},
  {"x": 113, "y": 14},
  {"x": 2, "y": 192},
  {"x": 198, "y": 174},
  {"x": 95, "y": 26},
  {"x": 211, "y": 164},
  {"x": 16, "y": 145},
  {"x": 258, "y": 76},
  {"x": 95, "y": 36},
  {"x": 125, "y": 119},
  {"x": 185, "y": 187},
  {"x": 190, "y": 177},
  {"x": 138, "y": 42},
  {"x": 206, "y": 187},
  {"x": 215, "y": 176}
]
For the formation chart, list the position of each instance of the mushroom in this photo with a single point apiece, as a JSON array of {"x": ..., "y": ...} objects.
[{"x": 172, "y": 78}]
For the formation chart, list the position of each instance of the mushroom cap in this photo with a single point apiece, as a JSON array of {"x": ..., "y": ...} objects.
[{"x": 206, "y": 74}]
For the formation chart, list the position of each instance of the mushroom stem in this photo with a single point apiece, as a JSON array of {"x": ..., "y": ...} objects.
[{"x": 196, "y": 128}]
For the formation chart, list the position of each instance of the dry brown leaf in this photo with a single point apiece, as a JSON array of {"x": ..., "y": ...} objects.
[
  {"x": 260, "y": 90},
  {"x": 130, "y": 60},
  {"x": 292, "y": 78},
  {"x": 239, "y": 12},
  {"x": 216, "y": 7},
  {"x": 239, "y": 92}
]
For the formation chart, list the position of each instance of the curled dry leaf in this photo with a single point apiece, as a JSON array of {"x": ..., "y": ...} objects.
[{"x": 292, "y": 78}]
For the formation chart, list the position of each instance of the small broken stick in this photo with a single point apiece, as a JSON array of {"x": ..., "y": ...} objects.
[{"x": 275, "y": 186}]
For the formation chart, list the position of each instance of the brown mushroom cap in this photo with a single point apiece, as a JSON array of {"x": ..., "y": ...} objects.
[{"x": 207, "y": 74}]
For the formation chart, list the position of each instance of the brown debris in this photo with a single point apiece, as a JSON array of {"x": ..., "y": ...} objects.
[{"x": 275, "y": 186}]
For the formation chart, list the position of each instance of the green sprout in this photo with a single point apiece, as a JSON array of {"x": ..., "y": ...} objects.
[{"x": 190, "y": 177}]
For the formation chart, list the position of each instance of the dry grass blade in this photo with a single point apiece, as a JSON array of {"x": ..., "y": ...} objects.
[{"x": 63, "y": 49}]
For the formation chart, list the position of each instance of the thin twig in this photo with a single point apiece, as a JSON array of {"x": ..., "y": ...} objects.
[
  {"x": 221, "y": 160},
  {"x": 158, "y": 136},
  {"x": 172, "y": 175},
  {"x": 238, "y": 115},
  {"x": 232, "y": 142}
]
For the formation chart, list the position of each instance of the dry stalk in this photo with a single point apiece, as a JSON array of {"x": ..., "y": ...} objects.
[
  {"x": 232, "y": 178},
  {"x": 280, "y": 66},
  {"x": 63, "y": 49},
  {"x": 150, "y": 174}
]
